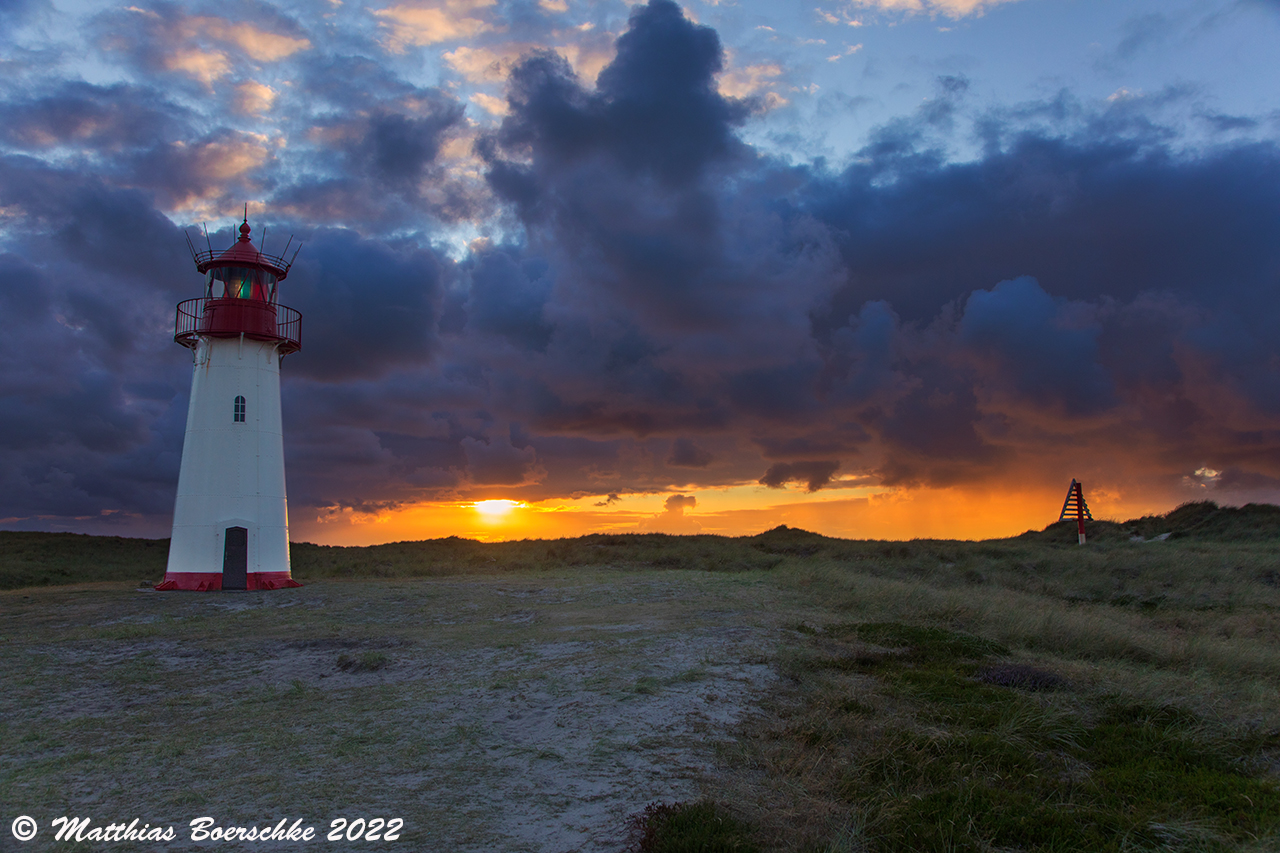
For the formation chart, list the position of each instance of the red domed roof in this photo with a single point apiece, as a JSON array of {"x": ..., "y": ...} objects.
[{"x": 243, "y": 254}]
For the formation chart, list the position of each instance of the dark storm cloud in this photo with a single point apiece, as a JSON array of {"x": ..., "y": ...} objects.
[
  {"x": 350, "y": 83},
  {"x": 840, "y": 439},
  {"x": 814, "y": 475},
  {"x": 931, "y": 433},
  {"x": 1049, "y": 361},
  {"x": 82, "y": 115},
  {"x": 655, "y": 109},
  {"x": 962, "y": 298},
  {"x": 86, "y": 410},
  {"x": 68, "y": 217},
  {"x": 369, "y": 307},
  {"x": 616, "y": 176},
  {"x": 418, "y": 452},
  {"x": 661, "y": 110},
  {"x": 389, "y": 143},
  {"x": 181, "y": 172},
  {"x": 495, "y": 462},
  {"x": 377, "y": 157},
  {"x": 784, "y": 392},
  {"x": 1083, "y": 218},
  {"x": 686, "y": 454},
  {"x": 507, "y": 295},
  {"x": 398, "y": 148}
]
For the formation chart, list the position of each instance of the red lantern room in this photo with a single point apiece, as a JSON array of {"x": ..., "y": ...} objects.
[{"x": 240, "y": 298}]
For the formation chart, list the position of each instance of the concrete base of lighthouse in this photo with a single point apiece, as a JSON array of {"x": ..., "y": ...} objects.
[{"x": 230, "y": 519}]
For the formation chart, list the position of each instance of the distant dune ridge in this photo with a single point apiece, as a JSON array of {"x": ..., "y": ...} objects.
[{"x": 48, "y": 559}]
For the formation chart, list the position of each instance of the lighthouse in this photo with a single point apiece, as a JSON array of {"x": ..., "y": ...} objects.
[{"x": 230, "y": 518}]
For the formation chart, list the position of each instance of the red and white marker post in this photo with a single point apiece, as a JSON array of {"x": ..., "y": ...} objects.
[{"x": 1075, "y": 507}]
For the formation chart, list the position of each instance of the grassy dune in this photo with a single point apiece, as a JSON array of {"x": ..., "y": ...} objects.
[{"x": 797, "y": 692}]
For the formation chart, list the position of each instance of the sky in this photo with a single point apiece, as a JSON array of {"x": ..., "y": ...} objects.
[{"x": 873, "y": 268}]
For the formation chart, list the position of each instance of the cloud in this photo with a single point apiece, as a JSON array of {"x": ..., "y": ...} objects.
[
  {"x": 188, "y": 175},
  {"x": 748, "y": 80},
  {"x": 672, "y": 519},
  {"x": 254, "y": 98},
  {"x": 417, "y": 24},
  {"x": 397, "y": 148},
  {"x": 388, "y": 161},
  {"x": 19, "y": 11},
  {"x": 686, "y": 454},
  {"x": 496, "y": 463},
  {"x": 483, "y": 64},
  {"x": 374, "y": 307},
  {"x": 848, "y": 51},
  {"x": 101, "y": 118},
  {"x": 950, "y": 8},
  {"x": 814, "y": 474},
  {"x": 205, "y": 48},
  {"x": 507, "y": 298},
  {"x": 490, "y": 104},
  {"x": 204, "y": 65},
  {"x": 258, "y": 44},
  {"x": 1051, "y": 357},
  {"x": 656, "y": 109}
]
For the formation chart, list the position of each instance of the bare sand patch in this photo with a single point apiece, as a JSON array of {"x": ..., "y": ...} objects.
[{"x": 490, "y": 715}]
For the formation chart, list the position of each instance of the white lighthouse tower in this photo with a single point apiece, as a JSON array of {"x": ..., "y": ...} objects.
[{"x": 230, "y": 519}]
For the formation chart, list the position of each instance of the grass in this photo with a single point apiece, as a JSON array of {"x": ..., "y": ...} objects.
[
  {"x": 47, "y": 559},
  {"x": 699, "y": 827},
  {"x": 1027, "y": 695},
  {"x": 366, "y": 662},
  {"x": 1021, "y": 694},
  {"x": 977, "y": 766}
]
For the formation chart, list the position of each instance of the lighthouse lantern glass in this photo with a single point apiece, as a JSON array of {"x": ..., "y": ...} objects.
[{"x": 240, "y": 283}]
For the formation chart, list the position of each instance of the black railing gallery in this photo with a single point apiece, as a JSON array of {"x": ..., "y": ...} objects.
[{"x": 230, "y": 318}]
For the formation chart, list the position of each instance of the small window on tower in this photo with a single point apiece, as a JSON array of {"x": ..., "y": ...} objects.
[{"x": 239, "y": 410}]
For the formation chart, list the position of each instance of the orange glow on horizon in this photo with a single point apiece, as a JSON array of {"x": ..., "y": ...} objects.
[{"x": 863, "y": 513}]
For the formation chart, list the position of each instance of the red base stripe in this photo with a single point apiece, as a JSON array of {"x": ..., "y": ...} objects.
[
  {"x": 191, "y": 581},
  {"x": 271, "y": 580},
  {"x": 212, "y": 581}
]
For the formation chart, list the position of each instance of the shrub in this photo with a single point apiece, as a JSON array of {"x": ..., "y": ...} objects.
[{"x": 700, "y": 827}]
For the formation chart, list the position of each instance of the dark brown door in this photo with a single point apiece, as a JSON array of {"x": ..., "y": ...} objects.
[{"x": 235, "y": 558}]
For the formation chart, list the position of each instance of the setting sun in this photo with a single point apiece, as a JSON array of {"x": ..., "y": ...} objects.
[{"x": 496, "y": 507}]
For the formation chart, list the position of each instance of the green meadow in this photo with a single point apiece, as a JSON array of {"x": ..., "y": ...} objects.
[{"x": 780, "y": 692}]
